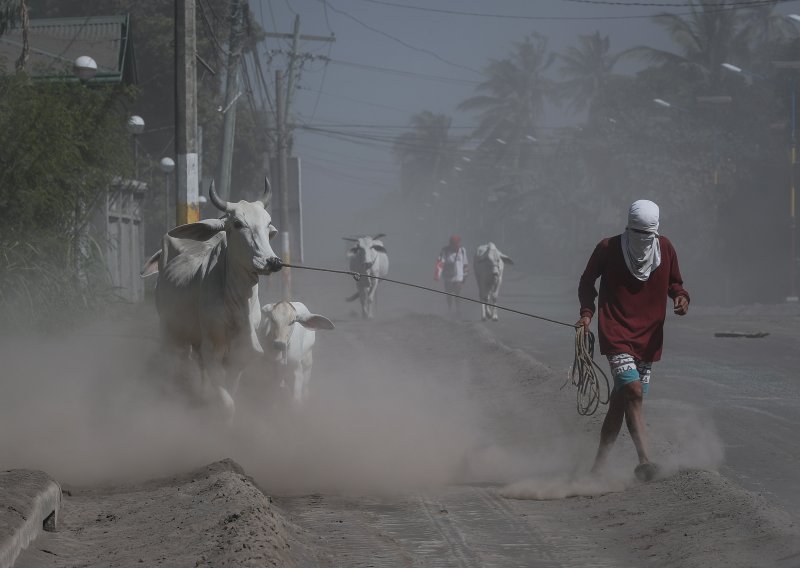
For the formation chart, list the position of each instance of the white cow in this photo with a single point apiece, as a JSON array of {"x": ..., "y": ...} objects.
[
  {"x": 489, "y": 262},
  {"x": 369, "y": 257},
  {"x": 207, "y": 293},
  {"x": 289, "y": 331}
]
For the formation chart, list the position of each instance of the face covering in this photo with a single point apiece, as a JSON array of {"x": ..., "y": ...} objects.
[{"x": 640, "y": 244}]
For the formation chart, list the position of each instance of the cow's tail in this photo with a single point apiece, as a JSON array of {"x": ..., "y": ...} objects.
[{"x": 352, "y": 298}]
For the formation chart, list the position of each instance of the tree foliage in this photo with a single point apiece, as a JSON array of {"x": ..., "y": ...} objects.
[
  {"x": 512, "y": 98},
  {"x": 152, "y": 23},
  {"x": 719, "y": 167},
  {"x": 9, "y": 14},
  {"x": 425, "y": 153},
  {"x": 61, "y": 145}
]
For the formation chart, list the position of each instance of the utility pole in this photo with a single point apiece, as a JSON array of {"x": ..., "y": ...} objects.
[
  {"x": 282, "y": 103},
  {"x": 232, "y": 93},
  {"x": 793, "y": 263},
  {"x": 187, "y": 190},
  {"x": 283, "y": 186},
  {"x": 291, "y": 78}
]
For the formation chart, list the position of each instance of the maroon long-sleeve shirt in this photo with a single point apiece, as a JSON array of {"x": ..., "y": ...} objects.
[{"x": 631, "y": 312}]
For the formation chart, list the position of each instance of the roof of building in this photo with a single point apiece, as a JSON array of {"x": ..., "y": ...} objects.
[{"x": 55, "y": 43}]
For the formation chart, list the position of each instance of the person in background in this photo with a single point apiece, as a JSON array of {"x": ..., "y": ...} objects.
[
  {"x": 638, "y": 271},
  {"x": 452, "y": 268}
]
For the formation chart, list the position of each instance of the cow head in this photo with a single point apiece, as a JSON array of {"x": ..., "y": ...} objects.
[
  {"x": 493, "y": 259},
  {"x": 277, "y": 324},
  {"x": 249, "y": 229},
  {"x": 366, "y": 249}
]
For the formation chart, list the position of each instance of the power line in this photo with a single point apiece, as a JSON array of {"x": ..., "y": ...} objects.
[
  {"x": 292, "y": 10},
  {"x": 361, "y": 167},
  {"x": 557, "y": 18},
  {"x": 322, "y": 82},
  {"x": 386, "y": 126},
  {"x": 325, "y": 11},
  {"x": 326, "y": 151},
  {"x": 404, "y": 73},
  {"x": 398, "y": 40},
  {"x": 350, "y": 176},
  {"x": 358, "y": 101},
  {"x": 717, "y": 4},
  {"x": 217, "y": 44}
]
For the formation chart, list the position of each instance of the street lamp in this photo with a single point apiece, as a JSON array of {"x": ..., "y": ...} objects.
[
  {"x": 792, "y": 297},
  {"x": 167, "y": 166},
  {"x": 703, "y": 99},
  {"x": 84, "y": 67},
  {"x": 135, "y": 127}
]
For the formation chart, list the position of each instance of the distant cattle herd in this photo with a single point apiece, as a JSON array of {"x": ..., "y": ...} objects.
[{"x": 208, "y": 303}]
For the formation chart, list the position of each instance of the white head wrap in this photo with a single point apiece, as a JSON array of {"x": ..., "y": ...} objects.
[{"x": 642, "y": 251}]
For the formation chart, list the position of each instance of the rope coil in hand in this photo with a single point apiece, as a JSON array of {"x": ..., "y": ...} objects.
[{"x": 584, "y": 375}]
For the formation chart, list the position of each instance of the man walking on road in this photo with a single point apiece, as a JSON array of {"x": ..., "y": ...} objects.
[
  {"x": 638, "y": 270},
  {"x": 452, "y": 267}
]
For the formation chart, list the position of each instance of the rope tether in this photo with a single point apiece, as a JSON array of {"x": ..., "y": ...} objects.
[
  {"x": 583, "y": 373},
  {"x": 358, "y": 276}
]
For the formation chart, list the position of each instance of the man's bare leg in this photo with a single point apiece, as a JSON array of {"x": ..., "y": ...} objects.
[
  {"x": 610, "y": 430},
  {"x": 635, "y": 420}
]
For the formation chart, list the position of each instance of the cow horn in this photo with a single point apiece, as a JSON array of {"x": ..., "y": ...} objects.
[
  {"x": 379, "y": 235},
  {"x": 267, "y": 197},
  {"x": 215, "y": 199},
  {"x": 351, "y": 239}
]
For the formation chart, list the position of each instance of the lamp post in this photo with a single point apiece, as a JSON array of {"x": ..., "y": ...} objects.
[
  {"x": 167, "y": 166},
  {"x": 793, "y": 261},
  {"x": 84, "y": 68},
  {"x": 135, "y": 127}
]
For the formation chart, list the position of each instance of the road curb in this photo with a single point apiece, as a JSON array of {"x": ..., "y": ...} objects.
[{"x": 29, "y": 504}]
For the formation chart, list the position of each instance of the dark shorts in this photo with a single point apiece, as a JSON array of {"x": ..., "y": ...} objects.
[{"x": 626, "y": 369}]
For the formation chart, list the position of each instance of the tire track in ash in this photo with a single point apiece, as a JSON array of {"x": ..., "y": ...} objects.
[
  {"x": 563, "y": 547},
  {"x": 458, "y": 527}
]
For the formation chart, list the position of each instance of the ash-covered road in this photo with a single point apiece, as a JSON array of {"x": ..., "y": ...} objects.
[
  {"x": 425, "y": 442},
  {"x": 508, "y": 461},
  {"x": 749, "y": 388}
]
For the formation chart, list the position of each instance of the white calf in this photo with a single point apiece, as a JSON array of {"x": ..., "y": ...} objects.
[
  {"x": 488, "y": 268},
  {"x": 288, "y": 333}
]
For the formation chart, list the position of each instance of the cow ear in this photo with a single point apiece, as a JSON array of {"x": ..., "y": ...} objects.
[
  {"x": 200, "y": 231},
  {"x": 506, "y": 259},
  {"x": 379, "y": 248},
  {"x": 266, "y": 308},
  {"x": 151, "y": 266},
  {"x": 272, "y": 231},
  {"x": 315, "y": 322},
  {"x": 352, "y": 251}
]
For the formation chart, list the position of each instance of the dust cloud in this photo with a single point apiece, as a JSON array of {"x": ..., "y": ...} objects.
[
  {"x": 681, "y": 438},
  {"x": 89, "y": 408}
]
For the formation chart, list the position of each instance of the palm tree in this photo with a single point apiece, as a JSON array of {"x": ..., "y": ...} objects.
[
  {"x": 765, "y": 31},
  {"x": 425, "y": 153},
  {"x": 515, "y": 93},
  {"x": 588, "y": 69},
  {"x": 708, "y": 37}
]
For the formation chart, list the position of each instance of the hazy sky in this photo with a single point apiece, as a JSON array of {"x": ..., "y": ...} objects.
[{"x": 334, "y": 169}]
